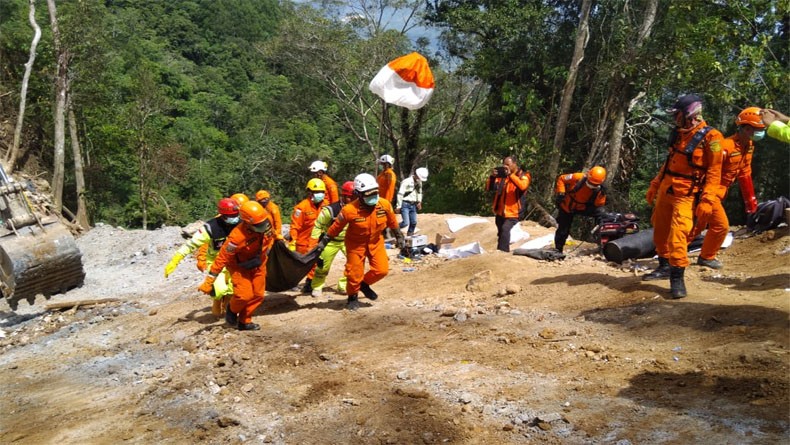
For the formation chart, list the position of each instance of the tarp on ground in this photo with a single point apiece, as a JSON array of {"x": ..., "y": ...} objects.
[{"x": 286, "y": 268}]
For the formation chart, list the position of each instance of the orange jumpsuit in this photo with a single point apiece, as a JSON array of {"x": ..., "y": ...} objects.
[
  {"x": 386, "y": 180},
  {"x": 332, "y": 193},
  {"x": 277, "y": 218},
  {"x": 302, "y": 222},
  {"x": 364, "y": 240},
  {"x": 244, "y": 254},
  {"x": 576, "y": 201},
  {"x": 675, "y": 187},
  {"x": 736, "y": 163}
]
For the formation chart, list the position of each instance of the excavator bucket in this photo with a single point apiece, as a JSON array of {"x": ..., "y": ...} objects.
[
  {"x": 38, "y": 260},
  {"x": 38, "y": 254}
]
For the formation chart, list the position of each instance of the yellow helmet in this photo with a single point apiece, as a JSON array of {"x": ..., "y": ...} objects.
[{"x": 316, "y": 185}]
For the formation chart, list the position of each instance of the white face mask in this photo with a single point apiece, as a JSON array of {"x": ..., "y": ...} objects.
[
  {"x": 318, "y": 197},
  {"x": 232, "y": 219},
  {"x": 758, "y": 135},
  {"x": 371, "y": 200}
]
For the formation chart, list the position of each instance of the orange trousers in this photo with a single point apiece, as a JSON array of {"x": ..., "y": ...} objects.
[
  {"x": 355, "y": 264},
  {"x": 249, "y": 286},
  {"x": 673, "y": 220},
  {"x": 718, "y": 226}
]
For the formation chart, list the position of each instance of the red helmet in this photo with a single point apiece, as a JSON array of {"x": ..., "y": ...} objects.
[
  {"x": 596, "y": 175},
  {"x": 228, "y": 207},
  {"x": 751, "y": 116},
  {"x": 347, "y": 189}
]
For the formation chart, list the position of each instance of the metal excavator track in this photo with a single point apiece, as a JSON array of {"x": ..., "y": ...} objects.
[{"x": 38, "y": 254}]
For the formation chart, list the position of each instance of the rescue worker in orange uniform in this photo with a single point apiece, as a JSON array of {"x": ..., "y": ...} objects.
[
  {"x": 365, "y": 218},
  {"x": 303, "y": 220},
  {"x": 264, "y": 198},
  {"x": 207, "y": 241},
  {"x": 736, "y": 164},
  {"x": 245, "y": 253},
  {"x": 319, "y": 168},
  {"x": 692, "y": 168},
  {"x": 387, "y": 178},
  {"x": 578, "y": 193},
  {"x": 326, "y": 217},
  {"x": 509, "y": 183}
]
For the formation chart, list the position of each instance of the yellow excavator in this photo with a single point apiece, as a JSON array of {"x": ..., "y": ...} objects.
[{"x": 38, "y": 254}]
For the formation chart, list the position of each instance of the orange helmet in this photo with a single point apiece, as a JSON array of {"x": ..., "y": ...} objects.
[
  {"x": 596, "y": 175},
  {"x": 256, "y": 217},
  {"x": 260, "y": 195},
  {"x": 751, "y": 116},
  {"x": 240, "y": 198},
  {"x": 347, "y": 189},
  {"x": 228, "y": 207}
]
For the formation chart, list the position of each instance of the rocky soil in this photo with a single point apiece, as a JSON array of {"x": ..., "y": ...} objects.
[{"x": 493, "y": 348}]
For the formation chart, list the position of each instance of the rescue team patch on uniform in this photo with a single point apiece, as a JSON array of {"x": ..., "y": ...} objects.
[
  {"x": 230, "y": 247},
  {"x": 381, "y": 212},
  {"x": 360, "y": 219},
  {"x": 715, "y": 146},
  {"x": 297, "y": 213}
]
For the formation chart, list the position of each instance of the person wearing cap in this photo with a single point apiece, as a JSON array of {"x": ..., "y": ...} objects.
[
  {"x": 208, "y": 241},
  {"x": 244, "y": 253},
  {"x": 326, "y": 217},
  {"x": 578, "y": 193},
  {"x": 777, "y": 124},
  {"x": 264, "y": 198},
  {"x": 692, "y": 168},
  {"x": 364, "y": 219},
  {"x": 509, "y": 184},
  {"x": 302, "y": 222},
  {"x": 736, "y": 153},
  {"x": 387, "y": 178},
  {"x": 318, "y": 169},
  {"x": 410, "y": 199}
]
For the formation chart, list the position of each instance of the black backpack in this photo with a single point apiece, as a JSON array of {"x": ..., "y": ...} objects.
[{"x": 769, "y": 215}]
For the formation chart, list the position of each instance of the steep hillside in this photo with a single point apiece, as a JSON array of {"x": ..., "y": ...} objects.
[{"x": 575, "y": 352}]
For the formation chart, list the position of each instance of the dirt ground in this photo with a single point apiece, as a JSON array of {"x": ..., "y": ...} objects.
[{"x": 492, "y": 348}]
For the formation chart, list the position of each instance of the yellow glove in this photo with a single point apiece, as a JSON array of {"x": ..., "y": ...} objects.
[
  {"x": 292, "y": 246},
  {"x": 208, "y": 285},
  {"x": 171, "y": 266}
]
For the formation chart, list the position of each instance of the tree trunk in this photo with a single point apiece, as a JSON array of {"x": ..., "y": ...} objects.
[
  {"x": 60, "y": 111},
  {"x": 13, "y": 155},
  {"x": 582, "y": 37},
  {"x": 79, "y": 177}
]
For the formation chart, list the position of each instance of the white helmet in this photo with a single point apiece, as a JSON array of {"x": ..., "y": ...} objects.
[
  {"x": 317, "y": 166},
  {"x": 422, "y": 174},
  {"x": 386, "y": 159},
  {"x": 365, "y": 184}
]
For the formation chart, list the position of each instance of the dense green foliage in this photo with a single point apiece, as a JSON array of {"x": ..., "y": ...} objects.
[{"x": 182, "y": 102}]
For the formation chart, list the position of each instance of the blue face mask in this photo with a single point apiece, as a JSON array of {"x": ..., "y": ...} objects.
[
  {"x": 758, "y": 135},
  {"x": 371, "y": 200},
  {"x": 232, "y": 219},
  {"x": 318, "y": 197}
]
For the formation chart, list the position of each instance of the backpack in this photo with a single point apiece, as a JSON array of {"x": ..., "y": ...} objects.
[
  {"x": 769, "y": 215},
  {"x": 522, "y": 199}
]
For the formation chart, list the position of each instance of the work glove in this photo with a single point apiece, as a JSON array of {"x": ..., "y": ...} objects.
[
  {"x": 292, "y": 246},
  {"x": 320, "y": 263},
  {"x": 201, "y": 263},
  {"x": 322, "y": 242},
  {"x": 400, "y": 240},
  {"x": 558, "y": 198},
  {"x": 208, "y": 285},
  {"x": 171, "y": 266},
  {"x": 704, "y": 209},
  {"x": 651, "y": 196}
]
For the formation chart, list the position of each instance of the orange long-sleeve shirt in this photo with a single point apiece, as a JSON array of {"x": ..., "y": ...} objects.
[
  {"x": 577, "y": 200},
  {"x": 365, "y": 224},
  {"x": 242, "y": 245},
  {"x": 386, "y": 180},
  {"x": 508, "y": 193},
  {"x": 302, "y": 222}
]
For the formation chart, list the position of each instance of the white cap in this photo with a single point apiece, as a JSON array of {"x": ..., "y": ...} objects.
[
  {"x": 318, "y": 166},
  {"x": 386, "y": 158},
  {"x": 422, "y": 173}
]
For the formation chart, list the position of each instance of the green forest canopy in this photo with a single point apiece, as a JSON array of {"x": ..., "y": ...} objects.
[{"x": 192, "y": 100}]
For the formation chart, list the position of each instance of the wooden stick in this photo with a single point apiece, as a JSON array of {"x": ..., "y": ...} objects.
[{"x": 70, "y": 304}]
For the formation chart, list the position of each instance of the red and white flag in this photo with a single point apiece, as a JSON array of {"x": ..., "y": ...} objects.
[{"x": 406, "y": 81}]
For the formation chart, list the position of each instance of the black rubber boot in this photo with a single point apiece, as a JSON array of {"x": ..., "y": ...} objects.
[
  {"x": 353, "y": 302},
  {"x": 249, "y": 327},
  {"x": 676, "y": 283},
  {"x": 308, "y": 286},
  {"x": 369, "y": 293},
  {"x": 659, "y": 273},
  {"x": 230, "y": 317}
]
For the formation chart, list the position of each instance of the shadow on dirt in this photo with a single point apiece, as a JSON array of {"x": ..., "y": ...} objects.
[
  {"x": 624, "y": 284},
  {"x": 718, "y": 397},
  {"x": 767, "y": 282}
]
